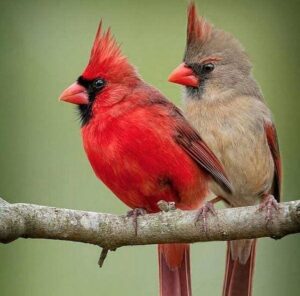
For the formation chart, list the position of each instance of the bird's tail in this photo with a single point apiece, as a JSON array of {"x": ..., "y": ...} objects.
[
  {"x": 174, "y": 270},
  {"x": 240, "y": 263}
]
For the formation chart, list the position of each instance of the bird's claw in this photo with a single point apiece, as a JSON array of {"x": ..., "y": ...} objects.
[
  {"x": 203, "y": 213},
  {"x": 134, "y": 214},
  {"x": 269, "y": 203}
]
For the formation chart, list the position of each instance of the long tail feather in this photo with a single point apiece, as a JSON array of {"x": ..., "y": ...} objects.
[
  {"x": 174, "y": 270},
  {"x": 239, "y": 270}
]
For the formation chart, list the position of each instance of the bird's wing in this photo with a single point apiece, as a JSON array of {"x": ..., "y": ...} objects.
[
  {"x": 191, "y": 142},
  {"x": 197, "y": 149},
  {"x": 272, "y": 139}
]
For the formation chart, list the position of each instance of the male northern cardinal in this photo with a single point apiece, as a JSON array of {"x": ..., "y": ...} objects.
[
  {"x": 140, "y": 146},
  {"x": 225, "y": 104}
]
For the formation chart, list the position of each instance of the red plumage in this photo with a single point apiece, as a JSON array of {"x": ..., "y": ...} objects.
[
  {"x": 239, "y": 276},
  {"x": 272, "y": 140},
  {"x": 106, "y": 59},
  {"x": 143, "y": 149}
]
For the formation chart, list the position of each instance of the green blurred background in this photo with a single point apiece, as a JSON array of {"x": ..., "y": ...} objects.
[{"x": 44, "y": 47}]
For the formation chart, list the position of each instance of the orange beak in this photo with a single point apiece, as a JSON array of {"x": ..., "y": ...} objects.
[
  {"x": 75, "y": 94},
  {"x": 184, "y": 75}
]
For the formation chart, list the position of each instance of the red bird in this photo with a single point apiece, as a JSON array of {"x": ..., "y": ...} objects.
[
  {"x": 226, "y": 106},
  {"x": 142, "y": 148}
]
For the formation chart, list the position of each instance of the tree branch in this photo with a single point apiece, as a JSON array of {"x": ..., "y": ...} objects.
[{"x": 111, "y": 231}]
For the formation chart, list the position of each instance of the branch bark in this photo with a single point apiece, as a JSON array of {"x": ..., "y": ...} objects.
[{"x": 111, "y": 231}]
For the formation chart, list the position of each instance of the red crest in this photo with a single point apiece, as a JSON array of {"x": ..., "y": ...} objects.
[{"x": 105, "y": 55}]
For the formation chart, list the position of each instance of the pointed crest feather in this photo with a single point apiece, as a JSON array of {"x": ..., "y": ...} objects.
[
  {"x": 105, "y": 54},
  {"x": 198, "y": 29}
]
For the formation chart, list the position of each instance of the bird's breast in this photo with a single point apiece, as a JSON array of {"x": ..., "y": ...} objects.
[
  {"x": 235, "y": 133},
  {"x": 141, "y": 163}
]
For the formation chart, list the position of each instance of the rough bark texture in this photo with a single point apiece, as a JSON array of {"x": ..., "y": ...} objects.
[{"x": 112, "y": 231}]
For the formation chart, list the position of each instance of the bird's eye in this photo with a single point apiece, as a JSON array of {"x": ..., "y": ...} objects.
[
  {"x": 98, "y": 84},
  {"x": 207, "y": 68}
]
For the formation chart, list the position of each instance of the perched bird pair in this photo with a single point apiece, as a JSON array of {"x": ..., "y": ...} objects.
[{"x": 142, "y": 147}]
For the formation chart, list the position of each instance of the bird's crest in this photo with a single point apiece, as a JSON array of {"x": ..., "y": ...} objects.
[
  {"x": 105, "y": 54},
  {"x": 198, "y": 29}
]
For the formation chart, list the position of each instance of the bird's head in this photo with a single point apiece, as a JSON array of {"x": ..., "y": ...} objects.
[
  {"x": 214, "y": 65},
  {"x": 105, "y": 80}
]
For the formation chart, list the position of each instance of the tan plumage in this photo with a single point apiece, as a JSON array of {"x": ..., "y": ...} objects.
[
  {"x": 234, "y": 129},
  {"x": 225, "y": 104}
]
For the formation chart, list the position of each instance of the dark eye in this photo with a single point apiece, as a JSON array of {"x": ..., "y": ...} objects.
[
  {"x": 98, "y": 84},
  {"x": 207, "y": 68}
]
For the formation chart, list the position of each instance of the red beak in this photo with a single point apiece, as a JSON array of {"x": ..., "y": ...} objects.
[
  {"x": 184, "y": 75},
  {"x": 75, "y": 94}
]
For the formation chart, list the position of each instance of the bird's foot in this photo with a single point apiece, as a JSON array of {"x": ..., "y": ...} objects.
[
  {"x": 209, "y": 207},
  {"x": 269, "y": 203},
  {"x": 203, "y": 212},
  {"x": 134, "y": 214},
  {"x": 165, "y": 206}
]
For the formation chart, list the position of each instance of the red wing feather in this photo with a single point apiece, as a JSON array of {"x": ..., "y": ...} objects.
[
  {"x": 191, "y": 142},
  {"x": 272, "y": 139},
  {"x": 197, "y": 149}
]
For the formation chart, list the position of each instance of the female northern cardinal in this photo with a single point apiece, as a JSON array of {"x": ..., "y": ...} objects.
[
  {"x": 225, "y": 104},
  {"x": 140, "y": 145}
]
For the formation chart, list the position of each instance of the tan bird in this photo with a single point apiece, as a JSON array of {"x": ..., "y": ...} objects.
[{"x": 225, "y": 104}]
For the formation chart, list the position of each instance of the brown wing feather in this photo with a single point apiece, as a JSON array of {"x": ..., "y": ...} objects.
[{"x": 272, "y": 139}]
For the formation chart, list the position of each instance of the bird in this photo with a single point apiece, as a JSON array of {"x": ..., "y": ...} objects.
[
  {"x": 222, "y": 100},
  {"x": 142, "y": 148}
]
